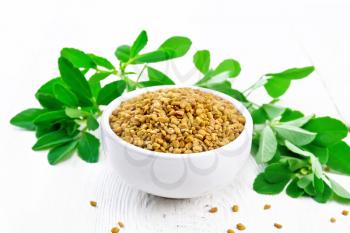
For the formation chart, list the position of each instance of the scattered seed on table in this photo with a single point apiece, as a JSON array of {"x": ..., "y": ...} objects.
[
  {"x": 235, "y": 208},
  {"x": 267, "y": 206},
  {"x": 333, "y": 220},
  {"x": 121, "y": 224},
  {"x": 93, "y": 203},
  {"x": 230, "y": 231},
  {"x": 345, "y": 212},
  {"x": 213, "y": 210},
  {"x": 277, "y": 225},
  {"x": 240, "y": 227},
  {"x": 115, "y": 230}
]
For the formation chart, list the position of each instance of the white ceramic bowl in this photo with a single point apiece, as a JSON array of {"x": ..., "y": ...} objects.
[{"x": 176, "y": 175}]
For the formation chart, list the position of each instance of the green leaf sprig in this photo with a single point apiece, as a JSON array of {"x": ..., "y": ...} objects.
[
  {"x": 297, "y": 151},
  {"x": 71, "y": 103}
]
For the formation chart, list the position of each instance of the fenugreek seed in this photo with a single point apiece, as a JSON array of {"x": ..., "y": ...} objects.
[
  {"x": 333, "y": 220},
  {"x": 267, "y": 206},
  {"x": 235, "y": 208},
  {"x": 213, "y": 210},
  {"x": 93, "y": 203},
  {"x": 230, "y": 231},
  {"x": 177, "y": 114},
  {"x": 277, "y": 225},
  {"x": 115, "y": 230},
  {"x": 240, "y": 227},
  {"x": 121, "y": 224},
  {"x": 345, "y": 212}
]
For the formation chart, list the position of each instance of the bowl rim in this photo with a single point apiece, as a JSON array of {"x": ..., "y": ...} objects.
[{"x": 107, "y": 111}]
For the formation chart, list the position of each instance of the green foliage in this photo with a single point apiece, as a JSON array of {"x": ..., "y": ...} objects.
[{"x": 294, "y": 148}]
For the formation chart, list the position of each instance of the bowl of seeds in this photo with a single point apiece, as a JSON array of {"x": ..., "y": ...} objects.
[{"x": 176, "y": 141}]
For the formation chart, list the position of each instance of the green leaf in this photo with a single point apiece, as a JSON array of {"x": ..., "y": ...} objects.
[
  {"x": 155, "y": 56},
  {"x": 273, "y": 111},
  {"x": 61, "y": 153},
  {"x": 98, "y": 77},
  {"x": 149, "y": 84},
  {"x": 322, "y": 153},
  {"x": 329, "y": 130},
  {"x": 71, "y": 127},
  {"x": 52, "y": 139},
  {"x": 325, "y": 195},
  {"x": 201, "y": 60},
  {"x": 25, "y": 119},
  {"x": 229, "y": 65},
  {"x": 300, "y": 121},
  {"x": 123, "y": 53},
  {"x": 157, "y": 76},
  {"x": 138, "y": 44},
  {"x": 92, "y": 123},
  {"x": 110, "y": 92},
  {"x": 47, "y": 87},
  {"x": 316, "y": 166},
  {"x": 47, "y": 100},
  {"x": 88, "y": 148},
  {"x": 295, "y": 135},
  {"x": 261, "y": 185},
  {"x": 277, "y": 86},
  {"x": 259, "y": 116},
  {"x": 45, "y": 94},
  {"x": 293, "y": 189},
  {"x": 297, "y": 150},
  {"x": 310, "y": 190},
  {"x": 172, "y": 48},
  {"x": 203, "y": 82},
  {"x": 50, "y": 117},
  {"x": 41, "y": 130},
  {"x": 295, "y": 164},
  {"x": 74, "y": 79},
  {"x": 94, "y": 82},
  {"x": 318, "y": 185},
  {"x": 65, "y": 96},
  {"x": 75, "y": 113},
  {"x": 229, "y": 91},
  {"x": 339, "y": 158},
  {"x": 305, "y": 181},
  {"x": 339, "y": 190},
  {"x": 294, "y": 73},
  {"x": 276, "y": 173},
  {"x": 101, "y": 61},
  {"x": 290, "y": 115},
  {"x": 176, "y": 46},
  {"x": 78, "y": 58},
  {"x": 267, "y": 145}
]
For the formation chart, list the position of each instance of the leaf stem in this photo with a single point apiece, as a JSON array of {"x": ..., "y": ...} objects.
[{"x": 138, "y": 77}]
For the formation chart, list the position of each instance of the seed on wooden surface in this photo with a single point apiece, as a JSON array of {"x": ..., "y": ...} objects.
[
  {"x": 267, "y": 206},
  {"x": 230, "y": 231},
  {"x": 240, "y": 227},
  {"x": 115, "y": 230},
  {"x": 277, "y": 225},
  {"x": 213, "y": 210},
  {"x": 93, "y": 203},
  {"x": 121, "y": 224},
  {"x": 235, "y": 208},
  {"x": 345, "y": 212},
  {"x": 333, "y": 220}
]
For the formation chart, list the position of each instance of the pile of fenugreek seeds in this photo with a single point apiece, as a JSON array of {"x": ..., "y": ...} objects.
[{"x": 177, "y": 120}]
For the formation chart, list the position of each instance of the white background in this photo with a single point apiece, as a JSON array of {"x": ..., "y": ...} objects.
[{"x": 265, "y": 36}]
